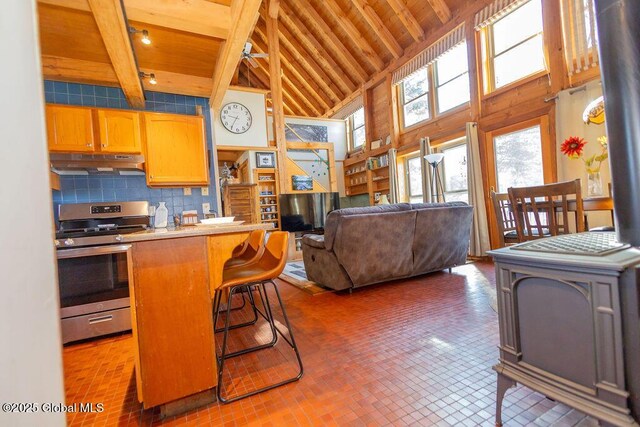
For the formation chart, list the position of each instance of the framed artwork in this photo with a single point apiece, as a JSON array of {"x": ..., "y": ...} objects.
[
  {"x": 302, "y": 183},
  {"x": 265, "y": 160}
]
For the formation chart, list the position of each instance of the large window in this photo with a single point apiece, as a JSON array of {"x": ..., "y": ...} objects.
[
  {"x": 357, "y": 134},
  {"x": 452, "y": 78},
  {"x": 415, "y": 97},
  {"x": 454, "y": 171},
  {"x": 414, "y": 179},
  {"x": 518, "y": 158},
  {"x": 442, "y": 86},
  {"x": 516, "y": 46}
]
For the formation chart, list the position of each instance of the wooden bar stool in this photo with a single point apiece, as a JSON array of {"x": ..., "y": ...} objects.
[{"x": 251, "y": 277}]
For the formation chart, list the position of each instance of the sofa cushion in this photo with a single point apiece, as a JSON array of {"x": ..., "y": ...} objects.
[
  {"x": 441, "y": 238},
  {"x": 314, "y": 240},
  {"x": 373, "y": 248},
  {"x": 334, "y": 217}
]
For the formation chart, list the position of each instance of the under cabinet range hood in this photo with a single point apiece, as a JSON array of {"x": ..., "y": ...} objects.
[{"x": 96, "y": 163}]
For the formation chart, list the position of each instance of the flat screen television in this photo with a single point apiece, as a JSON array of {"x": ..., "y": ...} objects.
[{"x": 306, "y": 212}]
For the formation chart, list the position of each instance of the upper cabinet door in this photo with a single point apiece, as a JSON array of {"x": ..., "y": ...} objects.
[
  {"x": 119, "y": 131},
  {"x": 176, "y": 150},
  {"x": 69, "y": 129}
]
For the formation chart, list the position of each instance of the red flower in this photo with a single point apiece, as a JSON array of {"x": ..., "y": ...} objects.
[{"x": 573, "y": 146}]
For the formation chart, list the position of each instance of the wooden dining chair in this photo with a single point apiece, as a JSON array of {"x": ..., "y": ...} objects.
[
  {"x": 507, "y": 233},
  {"x": 543, "y": 210}
]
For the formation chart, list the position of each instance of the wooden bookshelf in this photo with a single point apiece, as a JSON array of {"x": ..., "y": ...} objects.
[
  {"x": 368, "y": 175},
  {"x": 268, "y": 202}
]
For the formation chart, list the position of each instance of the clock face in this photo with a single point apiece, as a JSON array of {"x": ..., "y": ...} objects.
[{"x": 235, "y": 117}]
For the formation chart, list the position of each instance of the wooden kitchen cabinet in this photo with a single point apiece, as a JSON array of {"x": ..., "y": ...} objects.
[
  {"x": 70, "y": 129},
  {"x": 119, "y": 131},
  {"x": 176, "y": 150}
]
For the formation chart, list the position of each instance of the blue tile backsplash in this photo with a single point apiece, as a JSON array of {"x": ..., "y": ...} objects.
[{"x": 109, "y": 188}]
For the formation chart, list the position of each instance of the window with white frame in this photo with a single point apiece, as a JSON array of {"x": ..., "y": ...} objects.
[
  {"x": 452, "y": 78},
  {"x": 454, "y": 171},
  {"x": 357, "y": 137},
  {"x": 415, "y": 98},
  {"x": 413, "y": 166},
  {"x": 515, "y": 45}
]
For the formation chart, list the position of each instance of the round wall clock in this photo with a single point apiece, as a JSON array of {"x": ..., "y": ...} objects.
[{"x": 235, "y": 117}]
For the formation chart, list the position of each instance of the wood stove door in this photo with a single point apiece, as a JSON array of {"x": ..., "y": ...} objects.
[{"x": 563, "y": 328}]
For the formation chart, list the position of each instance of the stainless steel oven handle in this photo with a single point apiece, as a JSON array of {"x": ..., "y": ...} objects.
[
  {"x": 100, "y": 319},
  {"x": 92, "y": 251}
]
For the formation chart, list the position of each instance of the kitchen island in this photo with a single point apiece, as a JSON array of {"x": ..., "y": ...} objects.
[{"x": 174, "y": 276}]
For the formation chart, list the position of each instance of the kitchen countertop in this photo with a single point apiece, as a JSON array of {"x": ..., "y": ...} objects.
[{"x": 191, "y": 231}]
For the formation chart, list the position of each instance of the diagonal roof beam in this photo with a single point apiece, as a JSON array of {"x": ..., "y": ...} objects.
[
  {"x": 244, "y": 15},
  {"x": 343, "y": 20},
  {"x": 115, "y": 34},
  {"x": 297, "y": 70},
  {"x": 408, "y": 20},
  {"x": 441, "y": 9},
  {"x": 291, "y": 86},
  {"x": 312, "y": 67},
  {"x": 311, "y": 44},
  {"x": 378, "y": 27},
  {"x": 305, "y": 8}
]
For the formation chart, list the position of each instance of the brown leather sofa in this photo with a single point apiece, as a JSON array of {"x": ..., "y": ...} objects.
[{"x": 363, "y": 246}]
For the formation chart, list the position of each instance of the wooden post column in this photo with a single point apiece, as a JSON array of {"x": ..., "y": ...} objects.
[{"x": 275, "y": 76}]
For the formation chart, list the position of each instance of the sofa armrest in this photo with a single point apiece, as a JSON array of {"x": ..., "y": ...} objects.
[{"x": 314, "y": 240}]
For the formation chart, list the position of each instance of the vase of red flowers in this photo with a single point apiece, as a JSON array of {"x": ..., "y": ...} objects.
[{"x": 573, "y": 147}]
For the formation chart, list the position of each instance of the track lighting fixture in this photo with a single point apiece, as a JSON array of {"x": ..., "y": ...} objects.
[
  {"x": 151, "y": 76},
  {"x": 145, "y": 35}
]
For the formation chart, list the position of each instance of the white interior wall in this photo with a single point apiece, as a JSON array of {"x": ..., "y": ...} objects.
[
  {"x": 256, "y": 136},
  {"x": 337, "y": 134},
  {"x": 31, "y": 355},
  {"x": 569, "y": 109}
]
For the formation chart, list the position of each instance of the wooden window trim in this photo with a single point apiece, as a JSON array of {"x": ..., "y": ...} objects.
[
  {"x": 549, "y": 165},
  {"x": 351, "y": 149},
  {"x": 488, "y": 56}
]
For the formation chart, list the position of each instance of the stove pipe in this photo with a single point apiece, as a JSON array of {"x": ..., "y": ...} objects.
[{"x": 618, "y": 23}]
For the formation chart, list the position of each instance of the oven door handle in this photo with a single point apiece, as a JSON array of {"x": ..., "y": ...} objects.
[{"x": 92, "y": 251}]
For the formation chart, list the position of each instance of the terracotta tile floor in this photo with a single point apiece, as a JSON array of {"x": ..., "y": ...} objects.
[{"x": 412, "y": 352}]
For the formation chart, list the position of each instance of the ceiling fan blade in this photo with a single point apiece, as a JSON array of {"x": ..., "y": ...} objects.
[
  {"x": 252, "y": 61},
  {"x": 259, "y": 55}
]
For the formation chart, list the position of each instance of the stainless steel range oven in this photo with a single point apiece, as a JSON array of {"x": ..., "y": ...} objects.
[{"x": 94, "y": 267}]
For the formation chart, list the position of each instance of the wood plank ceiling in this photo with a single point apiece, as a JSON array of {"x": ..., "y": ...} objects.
[{"x": 328, "y": 49}]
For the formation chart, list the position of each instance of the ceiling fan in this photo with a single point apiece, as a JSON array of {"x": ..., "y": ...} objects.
[{"x": 246, "y": 54}]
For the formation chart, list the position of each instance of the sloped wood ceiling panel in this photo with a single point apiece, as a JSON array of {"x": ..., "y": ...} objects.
[{"x": 328, "y": 48}]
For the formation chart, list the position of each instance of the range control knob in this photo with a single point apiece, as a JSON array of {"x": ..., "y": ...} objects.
[
  {"x": 56, "y": 242},
  {"x": 119, "y": 238},
  {"x": 69, "y": 242}
]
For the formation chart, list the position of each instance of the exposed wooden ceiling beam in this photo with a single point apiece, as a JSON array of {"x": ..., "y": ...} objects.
[
  {"x": 343, "y": 20},
  {"x": 342, "y": 53},
  {"x": 378, "y": 27},
  {"x": 297, "y": 70},
  {"x": 77, "y": 70},
  {"x": 441, "y": 9},
  {"x": 244, "y": 15},
  {"x": 194, "y": 16},
  {"x": 408, "y": 20},
  {"x": 292, "y": 86},
  {"x": 274, "y": 8},
  {"x": 315, "y": 49},
  {"x": 115, "y": 33},
  {"x": 260, "y": 74},
  {"x": 98, "y": 73},
  {"x": 312, "y": 67}
]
